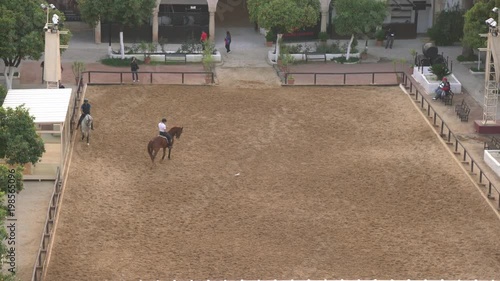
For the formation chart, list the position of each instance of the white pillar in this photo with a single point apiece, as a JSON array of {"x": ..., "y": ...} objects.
[
  {"x": 211, "y": 26},
  {"x": 325, "y": 10},
  {"x": 97, "y": 33},
  {"x": 212, "y": 8}
]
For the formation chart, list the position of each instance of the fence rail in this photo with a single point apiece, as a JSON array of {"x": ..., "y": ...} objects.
[
  {"x": 452, "y": 140},
  {"x": 383, "y": 78},
  {"x": 39, "y": 266},
  {"x": 153, "y": 77}
]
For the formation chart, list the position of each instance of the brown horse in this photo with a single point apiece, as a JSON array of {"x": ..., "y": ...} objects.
[{"x": 158, "y": 142}]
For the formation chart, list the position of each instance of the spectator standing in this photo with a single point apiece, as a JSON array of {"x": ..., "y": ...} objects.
[
  {"x": 203, "y": 39},
  {"x": 389, "y": 37},
  {"x": 227, "y": 42},
  {"x": 134, "y": 67}
]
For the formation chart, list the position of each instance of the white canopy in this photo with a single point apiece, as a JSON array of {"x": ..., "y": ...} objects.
[{"x": 46, "y": 105}]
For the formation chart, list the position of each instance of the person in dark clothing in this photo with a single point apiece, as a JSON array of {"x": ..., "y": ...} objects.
[
  {"x": 134, "y": 67},
  {"x": 85, "y": 110},
  {"x": 389, "y": 36},
  {"x": 227, "y": 42},
  {"x": 443, "y": 89}
]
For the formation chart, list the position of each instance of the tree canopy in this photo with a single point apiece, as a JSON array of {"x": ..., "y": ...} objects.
[
  {"x": 19, "y": 142},
  {"x": 475, "y": 23},
  {"x": 22, "y": 38},
  {"x": 358, "y": 17},
  {"x": 123, "y": 12},
  {"x": 284, "y": 16}
]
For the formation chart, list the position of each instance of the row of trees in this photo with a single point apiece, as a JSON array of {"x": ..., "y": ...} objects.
[{"x": 355, "y": 18}]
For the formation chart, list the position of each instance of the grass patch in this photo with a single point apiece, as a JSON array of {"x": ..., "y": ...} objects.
[
  {"x": 475, "y": 69},
  {"x": 462, "y": 58}
]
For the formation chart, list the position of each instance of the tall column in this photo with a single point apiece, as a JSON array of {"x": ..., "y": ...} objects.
[
  {"x": 155, "y": 21},
  {"x": 97, "y": 33},
  {"x": 211, "y": 26},
  {"x": 212, "y": 8},
  {"x": 325, "y": 12}
]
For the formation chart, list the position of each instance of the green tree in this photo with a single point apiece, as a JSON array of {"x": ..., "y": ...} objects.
[
  {"x": 130, "y": 13},
  {"x": 448, "y": 28},
  {"x": 284, "y": 16},
  {"x": 3, "y": 94},
  {"x": 475, "y": 23},
  {"x": 19, "y": 142},
  {"x": 358, "y": 18},
  {"x": 22, "y": 23}
]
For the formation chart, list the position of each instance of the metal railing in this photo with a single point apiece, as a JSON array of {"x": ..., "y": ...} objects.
[
  {"x": 38, "y": 268},
  {"x": 373, "y": 77},
  {"x": 198, "y": 75},
  {"x": 452, "y": 140}
]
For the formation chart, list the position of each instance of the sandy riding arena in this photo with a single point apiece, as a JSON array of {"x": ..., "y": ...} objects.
[{"x": 285, "y": 183}]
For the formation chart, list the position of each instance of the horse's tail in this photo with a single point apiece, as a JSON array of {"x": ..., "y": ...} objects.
[{"x": 150, "y": 149}]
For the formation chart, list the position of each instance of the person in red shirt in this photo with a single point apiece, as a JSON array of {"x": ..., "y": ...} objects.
[
  {"x": 203, "y": 39},
  {"x": 443, "y": 89}
]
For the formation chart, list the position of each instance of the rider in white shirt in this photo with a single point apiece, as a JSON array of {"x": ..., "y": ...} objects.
[{"x": 162, "y": 127}]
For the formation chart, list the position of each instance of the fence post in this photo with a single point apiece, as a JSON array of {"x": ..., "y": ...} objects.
[
  {"x": 373, "y": 77},
  {"x": 344, "y": 78},
  {"x": 151, "y": 77},
  {"x": 89, "y": 76},
  {"x": 315, "y": 78},
  {"x": 182, "y": 77},
  {"x": 121, "y": 77}
]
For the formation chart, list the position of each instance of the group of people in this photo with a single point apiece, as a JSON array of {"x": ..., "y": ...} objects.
[
  {"x": 162, "y": 126},
  {"x": 443, "y": 89}
]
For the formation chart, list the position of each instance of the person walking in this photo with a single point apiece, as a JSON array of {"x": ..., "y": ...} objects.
[
  {"x": 389, "y": 37},
  {"x": 227, "y": 42},
  {"x": 203, "y": 39},
  {"x": 134, "y": 67}
]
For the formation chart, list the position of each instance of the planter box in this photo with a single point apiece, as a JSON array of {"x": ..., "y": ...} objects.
[
  {"x": 189, "y": 57},
  {"x": 302, "y": 57},
  {"x": 492, "y": 159},
  {"x": 476, "y": 72},
  {"x": 430, "y": 85}
]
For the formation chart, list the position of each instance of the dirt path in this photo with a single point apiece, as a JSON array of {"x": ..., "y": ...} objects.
[{"x": 269, "y": 183}]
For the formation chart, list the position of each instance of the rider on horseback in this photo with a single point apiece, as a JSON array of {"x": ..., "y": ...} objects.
[
  {"x": 162, "y": 127},
  {"x": 85, "y": 111}
]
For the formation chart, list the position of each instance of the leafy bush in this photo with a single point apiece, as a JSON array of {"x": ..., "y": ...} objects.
[
  {"x": 332, "y": 48},
  {"x": 343, "y": 59},
  {"x": 440, "y": 70},
  {"x": 380, "y": 35},
  {"x": 475, "y": 69},
  {"x": 3, "y": 94},
  {"x": 190, "y": 47},
  {"x": 323, "y": 36},
  {"x": 270, "y": 36},
  {"x": 468, "y": 58},
  {"x": 448, "y": 28},
  {"x": 291, "y": 49}
]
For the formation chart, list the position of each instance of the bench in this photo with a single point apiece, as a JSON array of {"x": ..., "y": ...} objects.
[
  {"x": 494, "y": 143},
  {"x": 458, "y": 107},
  {"x": 448, "y": 99},
  {"x": 463, "y": 111},
  {"x": 315, "y": 57},
  {"x": 174, "y": 57}
]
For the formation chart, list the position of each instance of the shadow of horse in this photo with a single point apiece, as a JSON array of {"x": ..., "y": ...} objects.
[{"x": 158, "y": 142}]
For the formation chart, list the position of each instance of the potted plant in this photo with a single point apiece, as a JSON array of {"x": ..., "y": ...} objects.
[
  {"x": 78, "y": 68},
  {"x": 440, "y": 70},
  {"x": 379, "y": 37},
  {"x": 144, "y": 48},
  {"x": 364, "y": 54},
  {"x": 290, "y": 79},
  {"x": 270, "y": 37},
  {"x": 208, "y": 61},
  {"x": 398, "y": 66},
  {"x": 323, "y": 36}
]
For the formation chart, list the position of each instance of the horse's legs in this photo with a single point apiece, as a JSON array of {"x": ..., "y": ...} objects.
[
  {"x": 83, "y": 135},
  {"x": 170, "y": 148},
  {"x": 88, "y": 136},
  {"x": 153, "y": 155},
  {"x": 163, "y": 157}
]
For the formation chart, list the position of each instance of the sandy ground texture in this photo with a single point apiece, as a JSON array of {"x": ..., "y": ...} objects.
[{"x": 285, "y": 183}]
